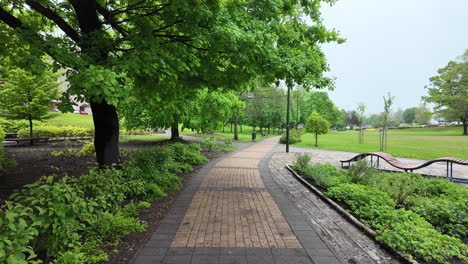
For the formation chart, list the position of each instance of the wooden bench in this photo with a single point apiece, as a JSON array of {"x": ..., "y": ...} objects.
[
  {"x": 22, "y": 140},
  {"x": 11, "y": 135},
  {"x": 407, "y": 167}
]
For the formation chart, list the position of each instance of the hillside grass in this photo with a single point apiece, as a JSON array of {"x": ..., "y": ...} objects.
[
  {"x": 415, "y": 143},
  {"x": 69, "y": 119}
]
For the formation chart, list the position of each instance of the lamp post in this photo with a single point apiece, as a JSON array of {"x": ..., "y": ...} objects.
[{"x": 287, "y": 120}]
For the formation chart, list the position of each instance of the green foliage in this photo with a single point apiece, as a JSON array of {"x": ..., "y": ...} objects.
[
  {"x": 366, "y": 202},
  {"x": 228, "y": 141},
  {"x": 54, "y": 132},
  {"x": 24, "y": 95},
  {"x": 326, "y": 175},
  {"x": 412, "y": 235},
  {"x": 13, "y": 126},
  {"x": 294, "y": 137},
  {"x": 449, "y": 216},
  {"x": 360, "y": 171},
  {"x": 302, "y": 163},
  {"x": 71, "y": 220},
  {"x": 88, "y": 149},
  {"x": 17, "y": 232},
  {"x": 449, "y": 91},
  {"x": 317, "y": 125}
]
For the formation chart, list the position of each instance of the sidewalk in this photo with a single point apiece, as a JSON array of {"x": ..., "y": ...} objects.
[
  {"x": 235, "y": 211},
  {"x": 229, "y": 214}
]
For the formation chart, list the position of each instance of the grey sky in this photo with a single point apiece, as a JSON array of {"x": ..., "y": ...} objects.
[{"x": 392, "y": 46}]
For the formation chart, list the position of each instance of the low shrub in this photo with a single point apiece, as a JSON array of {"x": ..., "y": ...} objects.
[
  {"x": 70, "y": 220},
  {"x": 449, "y": 216},
  {"x": 294, "y": 137},
  {"x": 228, "y": 141},
  {"x": 412, "y": 235},
  {"x": 302, "y": 163},
  {"x": 55, "y": 132},
  {"x": 366, "y": 202},
  {"x": 13, "y": 126},
  {"x": 326, "y": 175}
]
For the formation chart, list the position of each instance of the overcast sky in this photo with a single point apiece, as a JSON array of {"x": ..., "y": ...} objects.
[{"x": 392, "y": 46}]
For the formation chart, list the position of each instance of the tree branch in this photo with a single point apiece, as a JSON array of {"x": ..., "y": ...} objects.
[
  {"x": 109, "y": 17},
  {"x": 60, "y": 22}
]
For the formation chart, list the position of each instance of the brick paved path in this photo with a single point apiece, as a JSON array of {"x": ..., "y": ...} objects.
[
  {"x": 244, "y": 208},
  {"x": 235, "y": 211}
]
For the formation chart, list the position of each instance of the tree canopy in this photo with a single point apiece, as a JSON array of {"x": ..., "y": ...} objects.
[
  {"x": 449, "y": 91},
  {"x": 24, "y": 95},
  {"x": 317, "y": 125},
  {"x": 113, "y": 49}
]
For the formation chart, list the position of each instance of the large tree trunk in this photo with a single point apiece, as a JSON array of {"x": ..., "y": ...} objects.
[
  {"x": 175, "y": 127},
  {"x": 106, "y": 133},
  {"x": 316, "y": 139}
]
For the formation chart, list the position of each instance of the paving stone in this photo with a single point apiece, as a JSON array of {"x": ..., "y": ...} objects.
[
  {"x": 232, "y": 260},
  {"x": 260, "y": 259},
  {"x": 180, "y": 251},
  {"x": 258, "y": 251},
  {"x": 204, "y": 259},
  {"x": 177, "y": 259},
  {"x": 232, "y": 251},
  {"x": 153, "y": 251},
  {"x": 206, "y": 251},
  {"x": 292, "y": 260},
  {"x": 148, "y": 260}
]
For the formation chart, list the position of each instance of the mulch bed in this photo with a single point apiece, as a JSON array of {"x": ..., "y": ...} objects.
[{"x": 33, "y": 162}]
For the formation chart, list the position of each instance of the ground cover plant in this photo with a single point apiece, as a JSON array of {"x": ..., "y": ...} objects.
[
  {"x": 426, "y": 219},
  {"x": 71, "y": 219},
  {"x": 415, "y": 143}
]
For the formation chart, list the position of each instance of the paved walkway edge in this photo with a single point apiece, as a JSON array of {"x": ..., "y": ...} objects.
[
  {"x": 368, "y": 231},
  {"x": 315, "y": 247}
]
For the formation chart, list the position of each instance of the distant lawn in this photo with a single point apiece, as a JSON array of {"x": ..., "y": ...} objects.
[
  {"x": 69, "y": 119},
  {"x": 416, "y": 143},
  {"x": 244, "y": 136},
  {"x": 144, "y": 137}
]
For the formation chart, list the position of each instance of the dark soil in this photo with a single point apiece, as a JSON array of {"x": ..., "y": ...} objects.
[{"x": 33, "y": 162}]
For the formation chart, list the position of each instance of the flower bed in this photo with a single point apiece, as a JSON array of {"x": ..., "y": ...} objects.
[{"x": 425, "y": 219}]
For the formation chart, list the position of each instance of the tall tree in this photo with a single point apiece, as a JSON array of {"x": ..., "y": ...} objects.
[
  {"x": 321, "y": 103},
  {"x": 423, "y": 114},
  {"x": 449, "y": 91},
  {"x": 409, "y": 115},
  {"x": 158, "y": 48},
  {"x": 24, "y": 95}
]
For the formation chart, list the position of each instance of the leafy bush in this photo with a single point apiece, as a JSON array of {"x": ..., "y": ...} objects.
[
  {"x": 449, "y": 216},
  {"x": 302, "y": 163},
  {"x": 88, "y": 149},
  {"x": 399, "y": 186},
  {"x": 366, "y": 202},
  {"x": 62, "y": 210},
  {"x": 13, "y": 126},
  {"x": 55, "y": 132},
  {"x": 360, "y": 171},
  {"x": 294, "y": 137},
  {"x": 228, "y": 141},
  {"x": 72, "y": 219},
  {"x": 326, "y": 175},
  {"x": 4, "y": 162},
  {"x": 17, "y": 230},
  {"x": 412, "y": 235}
]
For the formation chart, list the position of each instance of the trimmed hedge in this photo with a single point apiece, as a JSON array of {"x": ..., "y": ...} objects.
[{"x": 55, "y": 132}]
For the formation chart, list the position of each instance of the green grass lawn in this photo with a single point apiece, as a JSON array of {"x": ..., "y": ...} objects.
[
  {"x": 143, "y": 137},
  {"x": 69, "y": 119},
  {"x": 416, "y": 143},
  {"x": 244, "y": 136}
]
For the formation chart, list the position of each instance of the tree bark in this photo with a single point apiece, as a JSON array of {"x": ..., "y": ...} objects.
[
  {"x": 316, "y": 138},
  {"x": 106, "y": 133},
  {"x": 30, "y": 130},
  {"x": 175, "y": 128},
  {"x": 465, "y": 127},
  {"x": 236, "y": 135}
]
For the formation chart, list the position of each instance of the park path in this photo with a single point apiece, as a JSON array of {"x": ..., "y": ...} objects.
[{"x": 245, "y": 208}]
